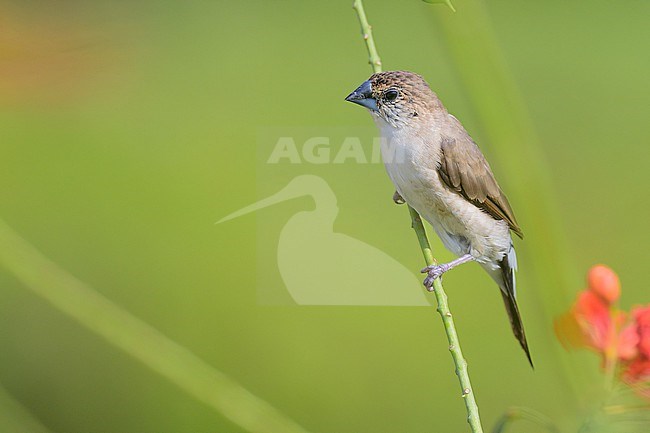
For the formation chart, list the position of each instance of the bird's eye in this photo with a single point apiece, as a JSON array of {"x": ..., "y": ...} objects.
[{"x": 390, "y": 95}]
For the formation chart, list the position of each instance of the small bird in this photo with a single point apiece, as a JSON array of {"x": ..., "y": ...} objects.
[{"x": 439, "y": 171}]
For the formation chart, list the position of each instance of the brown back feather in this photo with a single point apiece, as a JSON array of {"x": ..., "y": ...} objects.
[{"x": 464, "y": 169}]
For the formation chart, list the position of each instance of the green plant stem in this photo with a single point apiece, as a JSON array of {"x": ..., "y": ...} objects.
[
  {"x": 137, "y": 338},
  {"x": 366, "y": 32},
  {"x": 15, "y": 418},
  {"x": 467, "y": 392}
]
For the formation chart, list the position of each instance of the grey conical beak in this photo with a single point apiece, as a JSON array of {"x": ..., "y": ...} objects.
[{"x": 363, "y": 96}]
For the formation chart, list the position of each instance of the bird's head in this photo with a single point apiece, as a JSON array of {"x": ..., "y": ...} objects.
[{"x": 399, "y": 98}]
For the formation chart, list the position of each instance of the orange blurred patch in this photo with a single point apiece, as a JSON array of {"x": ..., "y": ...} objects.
[{"x": 53, "y": 60}]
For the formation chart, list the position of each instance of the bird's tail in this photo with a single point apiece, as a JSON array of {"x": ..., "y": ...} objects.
[{"x": 505, "y": 278}]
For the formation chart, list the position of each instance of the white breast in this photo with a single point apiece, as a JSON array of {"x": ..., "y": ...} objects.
[{"x": 411, "y": 161}]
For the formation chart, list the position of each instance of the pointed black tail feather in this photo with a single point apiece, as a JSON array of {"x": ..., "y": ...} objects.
[
  {"x": 510, "y": 301},
  {"x": 516, "y": 324}
]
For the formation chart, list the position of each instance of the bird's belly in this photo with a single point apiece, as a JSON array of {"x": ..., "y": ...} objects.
[{"x": 462, "y": 227}]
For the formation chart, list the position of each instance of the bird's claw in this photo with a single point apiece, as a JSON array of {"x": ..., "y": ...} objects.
[
  {"x": 398, "y": 199},
  {"x": 433, "y": 272}
]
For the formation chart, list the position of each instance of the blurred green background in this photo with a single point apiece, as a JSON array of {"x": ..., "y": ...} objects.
[{"x": 128, "y": 128}]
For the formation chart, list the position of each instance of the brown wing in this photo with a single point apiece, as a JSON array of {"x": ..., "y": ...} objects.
[{"x": 464, "y": 169}]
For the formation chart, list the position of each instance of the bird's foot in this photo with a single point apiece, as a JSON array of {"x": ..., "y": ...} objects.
[
  {"x": 433, "y": 272},
  {"x": 397, "y": 198},
  {"x": 436, "y": 271}
]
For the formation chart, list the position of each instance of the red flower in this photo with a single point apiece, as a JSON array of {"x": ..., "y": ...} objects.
[
  {"x": 628, "y": 341},
  {"x": 604, "y": 282},
  {"x": 642, "y": 319},
  {"x": 595, "y": 323},
  {"x": 638, "y": 370}
]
